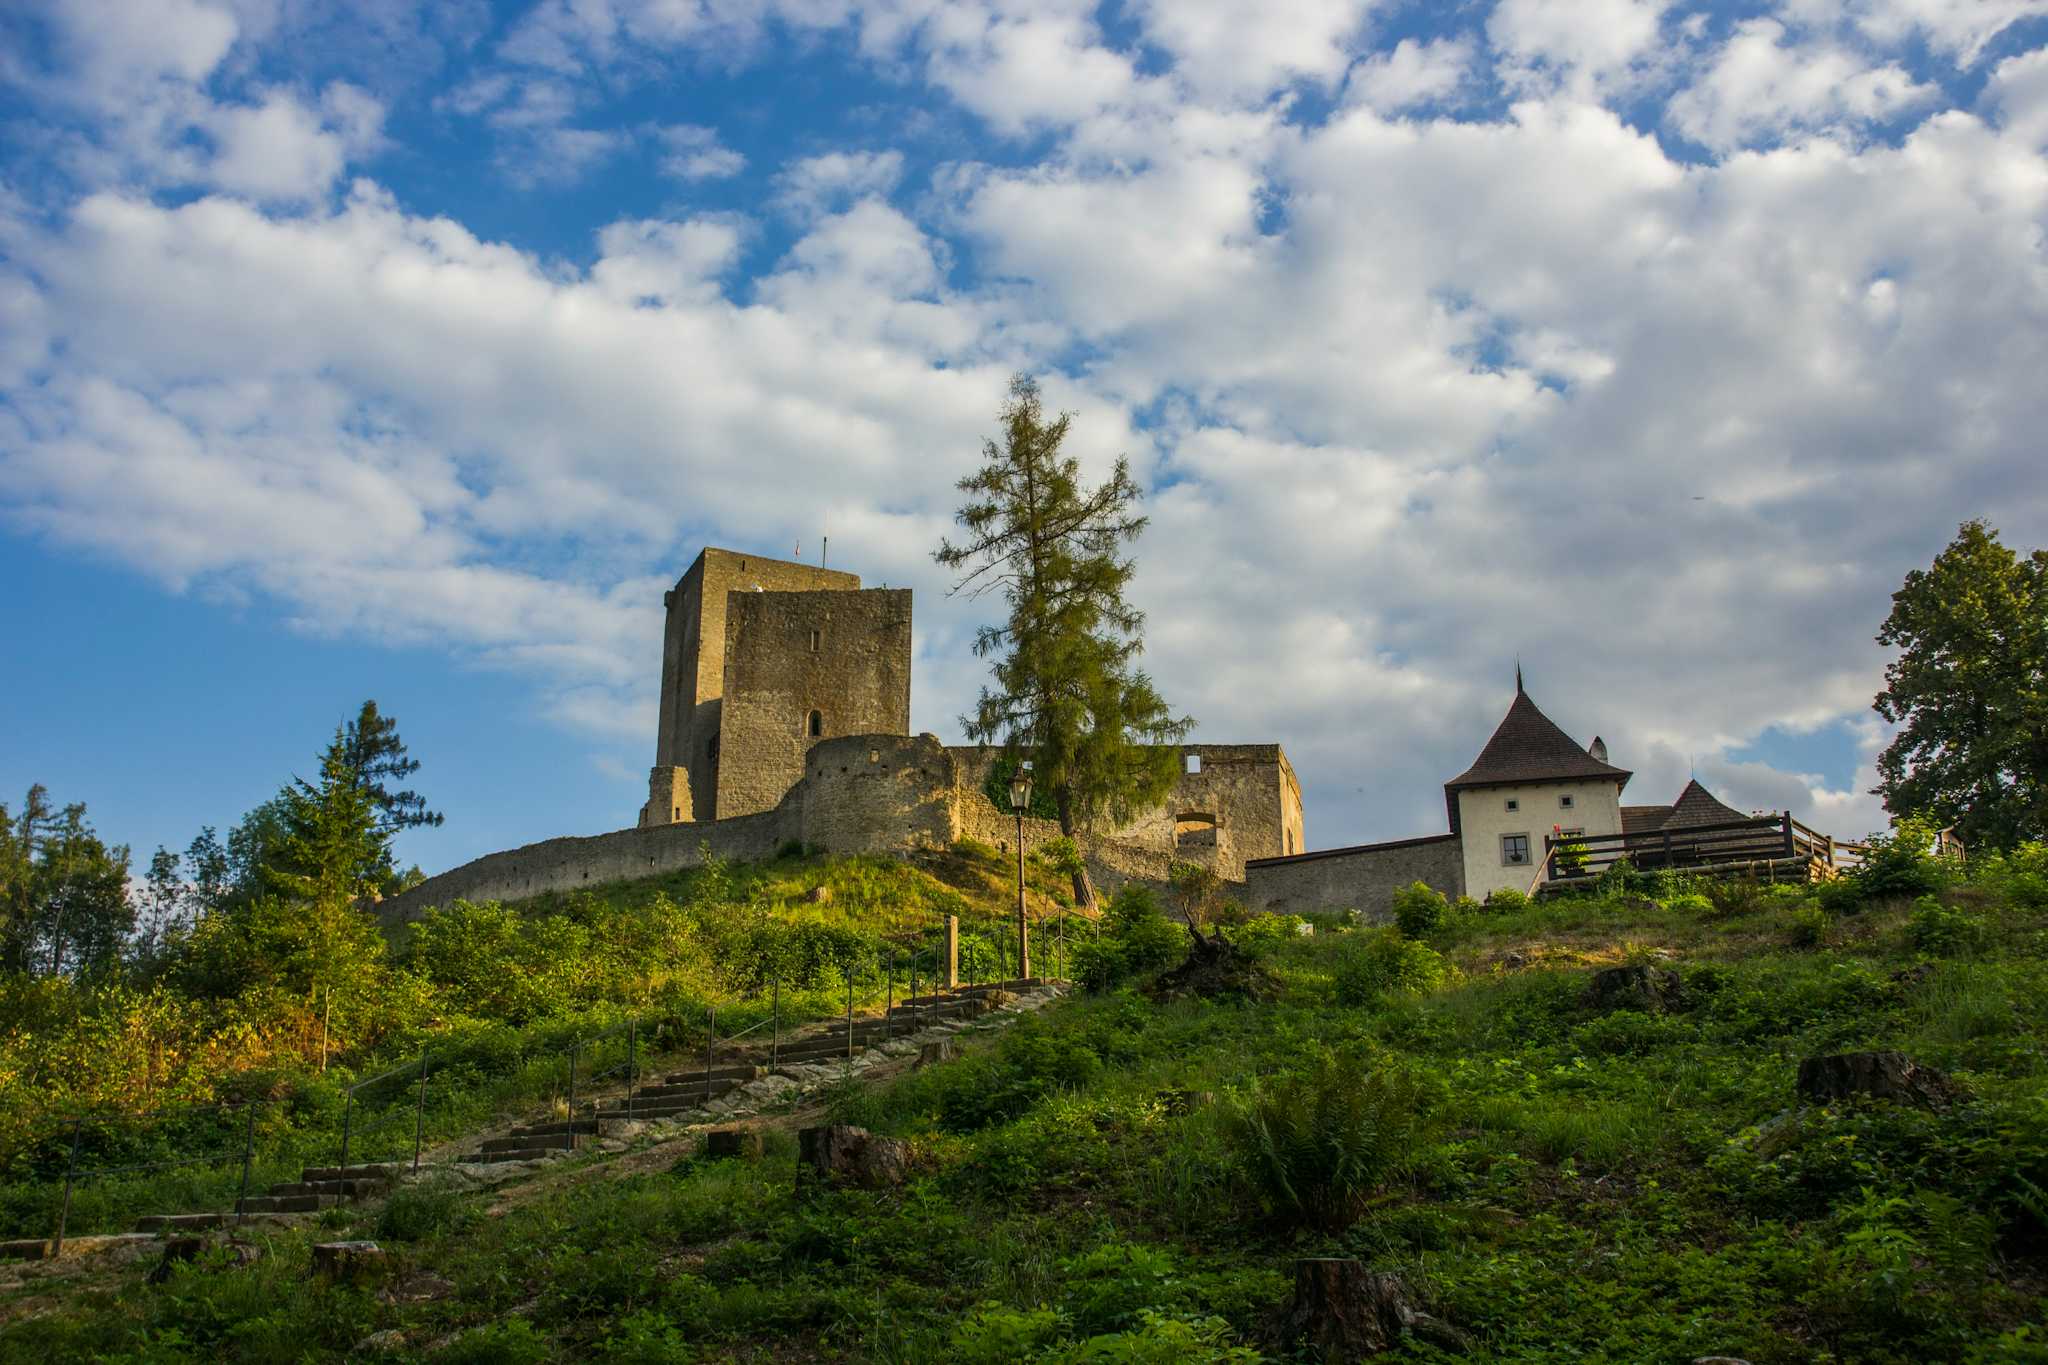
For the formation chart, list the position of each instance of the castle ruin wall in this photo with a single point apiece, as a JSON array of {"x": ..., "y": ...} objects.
[{"x": 1362, "y": 878}]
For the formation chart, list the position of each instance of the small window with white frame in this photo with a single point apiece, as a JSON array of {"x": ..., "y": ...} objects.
[
  {"x": 1514, "y": 804},
  {"x": 1514, "y": 850},
  {"x": 1564, "y": 803}
]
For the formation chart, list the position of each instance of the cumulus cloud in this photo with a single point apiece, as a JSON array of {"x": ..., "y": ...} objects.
[
  {"x": 1763, "y": 85},
  {"x": 816, "y": 185},
  {"x": 1464, "y": 365},
  {"x": 692, "y": 152}
]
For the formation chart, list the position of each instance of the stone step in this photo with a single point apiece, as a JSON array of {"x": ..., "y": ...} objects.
[
  {"x": 376, "y": 1170},
  {"x": 339, "y": 1189},
  {"x": 560, "y": 1128},
  {"x": 747, "y": 1072},
  {"x": 286, "y": 1203},
  {"x": 27, "y": 1249},
  {"x": 181, "y": 1222},
  {"x": 513, "y": 1154},
  {"x": 521, "y": 1143},
  {"x": 672, "y": 1094},
  {"x": 652, "y": 1109}
]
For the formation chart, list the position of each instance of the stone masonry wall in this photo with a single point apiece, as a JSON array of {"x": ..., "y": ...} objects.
[
  {"x": 1249, "y": 790},
  {"x": 693, "y": 654},
  {"x": 842, "y": 656},
  {"x": 877, "y": 793},
  {"x": 1362, "y": 879}
]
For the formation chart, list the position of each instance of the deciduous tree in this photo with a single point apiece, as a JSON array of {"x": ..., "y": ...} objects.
[
  {"x": 1969, "y": 692},
  {"x": 1068, "y": 693}
]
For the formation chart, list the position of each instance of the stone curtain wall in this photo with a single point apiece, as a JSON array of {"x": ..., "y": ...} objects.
[
  {"x": 1363, "y": 878},
  {"x": 856, "y": 679},
  {"x": 693, "y": 654},
  {"x": 1249, "y": 789},
  {"x": 861, "y": 794},
  {"x": 567, "y": 864}
]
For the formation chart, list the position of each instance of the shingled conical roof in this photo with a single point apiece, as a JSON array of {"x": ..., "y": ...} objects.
[
  {"x": 1698, "y": 806},
  {"x": 1528, "y": 747}
]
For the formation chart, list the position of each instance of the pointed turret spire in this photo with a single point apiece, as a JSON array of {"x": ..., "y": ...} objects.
[{"x": 1518, "y": 675}]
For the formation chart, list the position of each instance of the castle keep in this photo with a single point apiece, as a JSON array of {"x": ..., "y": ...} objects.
[
  {"x": 785, "y": 717},
  {"x": 761, "y": 659}
]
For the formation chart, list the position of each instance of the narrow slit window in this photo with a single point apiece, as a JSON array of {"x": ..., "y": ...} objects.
[
  {"x": 817, "y": 640},
  {"x": 816, "y": 725}
]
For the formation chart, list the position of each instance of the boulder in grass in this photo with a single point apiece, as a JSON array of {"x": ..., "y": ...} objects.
[
  {"x": 350, "y": 1262},
  {"x": 176, "y": 1251},
  {"x": 1876, "y": 1075},
  {"x": 744, "y": 1143},
  {"x": 839, "y": 1154},
  {"x": 1636, "y": 987}
]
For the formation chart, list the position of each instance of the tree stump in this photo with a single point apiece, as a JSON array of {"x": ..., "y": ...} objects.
[
  {"x": 941, "y": 1051},
  {"x": 732, "y": 1142},
  {"x": 1344, "y": 1312},
  {"x": 1879, "y": 1075},
  {"x": 839, "y": 1154},
  {"x": 350, "y": 1262},
  {"x": 176, "y": 1250},
  {"x": 1652, "y": 989},
  {"x": 1215, "y": 969}
]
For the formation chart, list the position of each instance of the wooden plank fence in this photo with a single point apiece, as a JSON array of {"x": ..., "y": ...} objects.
[{"x": 1764, "y": 839}]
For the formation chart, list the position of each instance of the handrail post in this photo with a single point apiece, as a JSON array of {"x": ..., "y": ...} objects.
[
  {"x": 775, "y": 1037},
  {"x": 348, "y": 1112},
  {"x": 248, "y": 1155},
  {"x": 419, "y": 1113},
  {"x": 710, "y": 1044},
  {"x": 1790, "y": 849},
  {"x": 70, "y": 1170},
  {"x": 849, "y": 1013},
  {"x": 889, "y": 997},
  {"x": 572, "y": 1092},
  {"x": 632, "y": 1039}
]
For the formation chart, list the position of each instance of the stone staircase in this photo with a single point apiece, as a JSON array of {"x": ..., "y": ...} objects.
[
  {"x": 318, "y": 1187},
  {"x": 681, "y": 1092}
]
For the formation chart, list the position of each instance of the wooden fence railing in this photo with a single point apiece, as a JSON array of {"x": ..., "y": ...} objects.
[{"x": 1766, "y": 838}]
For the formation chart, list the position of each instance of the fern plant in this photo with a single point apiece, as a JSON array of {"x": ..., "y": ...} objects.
[{"x": 1316, "y": 1145}]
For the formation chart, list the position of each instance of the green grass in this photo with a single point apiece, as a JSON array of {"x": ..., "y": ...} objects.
[{"x": 1615, "y": 1187}]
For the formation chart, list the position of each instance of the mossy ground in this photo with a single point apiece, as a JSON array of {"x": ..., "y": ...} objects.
[{"x": 1596, "y": 1186}]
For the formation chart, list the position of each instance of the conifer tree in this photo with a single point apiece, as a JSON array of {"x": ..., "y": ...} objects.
[
  {"x": 377, "y": 757},
  {"x": 1068, "y": 694}
]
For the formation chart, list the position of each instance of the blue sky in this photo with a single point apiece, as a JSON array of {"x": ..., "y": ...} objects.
[{"x": 408, "y": 351}]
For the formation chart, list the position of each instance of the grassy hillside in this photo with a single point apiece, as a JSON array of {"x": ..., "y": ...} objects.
[
  {"x": 492, "y": 994},
  {"x": 1111, "y": 1181}
]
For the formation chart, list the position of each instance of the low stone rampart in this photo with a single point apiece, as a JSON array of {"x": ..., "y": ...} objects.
[{"x": 1363, "y": 878}]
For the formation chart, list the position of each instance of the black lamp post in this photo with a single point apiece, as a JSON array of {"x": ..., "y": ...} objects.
[{"x": 1020, "y": 801}]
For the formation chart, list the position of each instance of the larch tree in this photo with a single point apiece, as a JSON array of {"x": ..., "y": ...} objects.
[
  {"x": 1969, "y": 692},
  {"x": 1068, "y": 694}
]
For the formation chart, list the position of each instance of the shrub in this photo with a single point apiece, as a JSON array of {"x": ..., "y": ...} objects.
[
  {"x": 1898, "y": 866},
  {"x": 1506, "y": 899},
  {"x": 1386, "y": 963},
  {"x": 1316, "y": 1145},
  {"x": 1937, "y": 929},
  {"x": 1420, "y": 909},
  {"x": 415, "y": 1214},
  {"x": 1261, "y": 933},
  {"x": 1689, "y": 903},
  {"x": 1136, "y": 937},
  {"x": 1809, "y": 926}
]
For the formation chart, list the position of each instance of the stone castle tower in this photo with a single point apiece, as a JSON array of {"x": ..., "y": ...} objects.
[{"x": 761, "y": 659}]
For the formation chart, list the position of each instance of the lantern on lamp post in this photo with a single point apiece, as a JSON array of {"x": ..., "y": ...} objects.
[{"x": 1020, "y": 801}]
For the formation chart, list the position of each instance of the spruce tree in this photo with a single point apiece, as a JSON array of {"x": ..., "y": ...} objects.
[
  {"x": 377, "y": 757},
  {"x": 1068, "y": 694}
]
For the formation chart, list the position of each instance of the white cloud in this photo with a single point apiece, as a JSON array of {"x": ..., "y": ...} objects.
[
  {"x": 1764, "y": 84},
  {"x": 1580, "y": 46},
  {"x": 1960, "y": 28},
  {"x": 2018, "y": 90},
  {"x": 817, "y": 185},
  {"x": 1235, "y": 49},
  {"x": 693, "y": 152},
  {"x": 1412, "y": 73}
]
